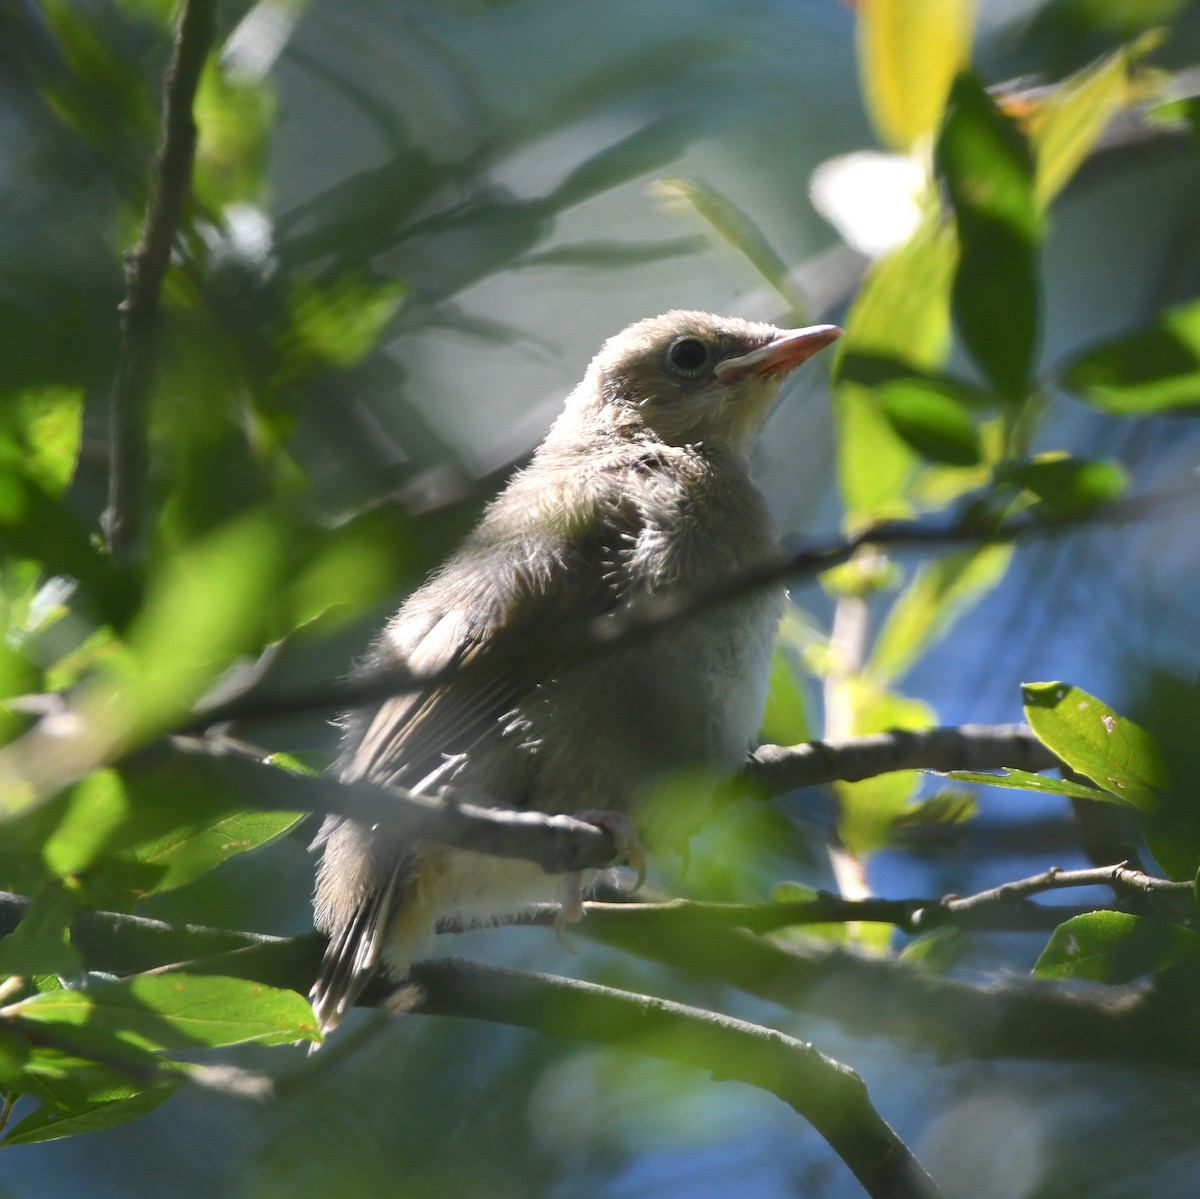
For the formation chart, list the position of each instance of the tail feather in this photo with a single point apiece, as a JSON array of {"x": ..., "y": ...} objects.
[{"x": 353, "y": 954}]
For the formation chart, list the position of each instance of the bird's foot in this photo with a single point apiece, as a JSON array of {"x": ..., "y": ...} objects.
[
  {"x": 629, "y": 847},
  {"x": 620, "y": 828}
]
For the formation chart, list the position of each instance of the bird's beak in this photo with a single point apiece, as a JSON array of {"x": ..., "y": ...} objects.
[{"x": 778, "y": 357}]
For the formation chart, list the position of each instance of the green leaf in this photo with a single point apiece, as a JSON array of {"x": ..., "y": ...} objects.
[
  {"x": 908, "y": 53},
  {"x": 902, "y": 311},
  {"x": 41, "y": 943},
  {"x": 187, "y": 853},
  {"x": 178, "y": 1011},
  {"x": 1067, "y": 487},
  {"x": 49, "y": 1124},
  {"x": 339, "y": 323},
  {"x": 1156, "y": 369},
  {"x": 1113, "y": 752},
  {"x": 95, "y": 813},
  {"x": 869, "y": 809},
  {"x": 1114, "y": 947},
  {"x": 40, "y": 429},
  {"x": 941, "y": 592},
  {"x": 1064, "y": 127},
  {"x": 735, "y": 228},
  {"x": 933, "y": 425},
  {"x": 1022, "y": 780},
  {"x": 785, "y": 717},
  {"x": 881, "y": 370},
  {"x": 988, "y": 170},
  {"x": 206, "y": 606},
  {"x": 39, "y": 526}
]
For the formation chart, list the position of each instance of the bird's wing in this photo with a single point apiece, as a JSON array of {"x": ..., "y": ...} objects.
[
  {"x": 485, "y": 618},
  {"x": 492, "y": 638}
]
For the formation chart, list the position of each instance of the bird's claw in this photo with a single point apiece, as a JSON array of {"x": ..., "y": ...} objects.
[{"x": 620, "y": 828}]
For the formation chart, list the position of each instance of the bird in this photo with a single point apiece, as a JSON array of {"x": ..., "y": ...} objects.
[{"x": 641, "y": 489}]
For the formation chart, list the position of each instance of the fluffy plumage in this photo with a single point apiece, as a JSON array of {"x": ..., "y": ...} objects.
[{"x": 641, "y": 487}]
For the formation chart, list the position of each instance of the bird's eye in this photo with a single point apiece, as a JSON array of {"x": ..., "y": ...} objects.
[{"x": 688, "y": 354}]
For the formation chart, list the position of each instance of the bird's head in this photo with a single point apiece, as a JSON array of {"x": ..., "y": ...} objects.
[{"x": 689, "y": 377}]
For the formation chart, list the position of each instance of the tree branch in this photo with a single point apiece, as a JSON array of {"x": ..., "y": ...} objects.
[
  {"x": 777, "y": 769},
  {"x": 147, "y": 265},
  {"x": 631, "y": 625},
  {"x": 1119, "y": 877},
  {"x": 1008, "y": 1019},
  {"x": 827, "y": 1094},
  {"x": 561, "y": 843}
]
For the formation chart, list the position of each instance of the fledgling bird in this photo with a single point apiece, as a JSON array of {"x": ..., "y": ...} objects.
[{"x": 641, "y": 488}]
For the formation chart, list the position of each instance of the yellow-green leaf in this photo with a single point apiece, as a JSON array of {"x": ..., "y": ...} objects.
[
  {"x": 908, "y": 53},
  {"x": 1065, "y": 125},
  {"x": 178, "y": 1011},
  {"x": 938, "y": 595},
  {"x": 1091, "y": 738},
  {"x": 902, "y": 311}
]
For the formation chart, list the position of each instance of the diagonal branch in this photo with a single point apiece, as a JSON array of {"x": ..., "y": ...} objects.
[
  {"x": 827, "y": 1094},
  {"x": 554, "y": 647},
  {"x": 147, "y": 267}
]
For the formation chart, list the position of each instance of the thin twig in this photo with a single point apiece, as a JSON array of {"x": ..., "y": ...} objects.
[
  {"x": 147, "y": 266},
  {"x": 1120, "y": 877},
  {"x": 681, "y": 917}
]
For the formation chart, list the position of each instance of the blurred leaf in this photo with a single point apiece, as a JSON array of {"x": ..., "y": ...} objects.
[
  {"x": 94, "y": 813},
  {"x": 950, "y": 805},
  {"x": 785, "y": 719},
  {"x": 48, "y": 1124},
  {"x": 882, "y": 371},
  {"x": 933, "y": 425},
  {"x": 1169, "y": 707},
  {"x": 870, "y": 808},
  {"x": 360, "y": 562},
  {"x": 941, "y": 592},
  {"x": 645, "y": 150},
  {"x": 1022, "y": 780},
  {"x": 41, "y": 943},
  {"x": 339, "y": 323},
  {"x": 1094, "y": 741},
  {"x": 233, "y": 118},
  {"x": 735, "y": 228},
  {"x": 612, "y": 255},
  {"x": 1153, "y": 370},
  {"x": 40, "y": 430},
  {"x": 178, "y": 1011},
  {"x": 902, "y": 312},
  {"x": 938, "y": 951},
  {"x": 1064, "y": 127},
  {"x": 40, "y": 527},
  {"x": 908, "y": 54},
  {"x": 204, "y": 607},
  {"x": 988, "y": 170},
  {"x": 1114, "y": 947},
  {"x": 1067, "y": 487}
]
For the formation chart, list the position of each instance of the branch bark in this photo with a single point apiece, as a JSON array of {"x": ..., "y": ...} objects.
[
  {"x": 826, "y": 1093},
  {"x": 147, "y": 266},
  {"x": 561, "y": 843}
]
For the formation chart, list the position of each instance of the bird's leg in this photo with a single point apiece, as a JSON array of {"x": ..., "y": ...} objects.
[{"x": 629, "y": 847}]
